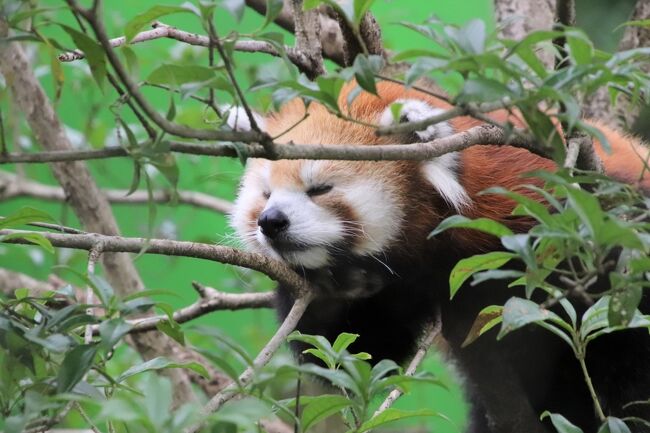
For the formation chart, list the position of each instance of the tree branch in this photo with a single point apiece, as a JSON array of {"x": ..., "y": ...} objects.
[
  {"x": 213, "y": 301},
  {"x": 275, "y": 269},
  {"x": 161, "y": 31},
  {"x": 12, "y": 186},
  {"x": 265, "y": 355},
  {"x": 331, "y": 38},
  {"x": 477, "y": 135}
]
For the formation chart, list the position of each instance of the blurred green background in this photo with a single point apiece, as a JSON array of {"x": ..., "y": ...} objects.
[{"x": 85, "y": 110}]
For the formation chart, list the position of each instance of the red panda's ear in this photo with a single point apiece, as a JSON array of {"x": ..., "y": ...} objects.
[
  {"x": 412, "y": 110},
  {"x": 238, "y": 119},
  {"x": 442, "y": 172}
]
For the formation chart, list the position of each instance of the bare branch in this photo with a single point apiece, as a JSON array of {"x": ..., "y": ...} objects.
[
  {"x": 275, "y": 269},
  {"x": 430, "y": 333},
  {"x": 477, "y": 135},
  {"x": 265, "y": 355},
  {"x": 161, "y": 30},
  {"x": 215, "y": 301},
  {"x": 13, "y": 186}
]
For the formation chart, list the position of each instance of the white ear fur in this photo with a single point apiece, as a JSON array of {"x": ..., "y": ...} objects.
[
  {"x": 441, "y": 172},
  {"x": 238, "y": 119}
]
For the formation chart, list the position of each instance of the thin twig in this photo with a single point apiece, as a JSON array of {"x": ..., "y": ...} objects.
[
  {"x": 460, "y": 110},
  {"x": 431, "y": 332},
  {"x": 215, "y": 301},
  {"x": 275, "y": 269},
  {"x": 288, "y": 325}
]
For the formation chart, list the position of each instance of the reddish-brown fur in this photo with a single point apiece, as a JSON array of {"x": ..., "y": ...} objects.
[{"x": 481, "y": 166}]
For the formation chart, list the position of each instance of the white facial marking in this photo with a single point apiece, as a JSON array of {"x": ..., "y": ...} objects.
[
  {"x": 238, "y": 119},
  {"x": 441, "y": 171},
  {"x": 378, "y": 213}
]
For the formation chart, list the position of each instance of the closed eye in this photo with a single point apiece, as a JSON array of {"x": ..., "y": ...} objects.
[{"x": 319, "y": 190}]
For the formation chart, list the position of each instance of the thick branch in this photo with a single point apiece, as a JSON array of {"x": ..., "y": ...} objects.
[
  {"x": 478, "y": 135},
  {"x": 265, "y": 355},
  {"x": 330, "y": 35},
  {"x": 13, "y": 186},
  {"x": 307, "y": 30},
  {"x": 275, "y": 269}
]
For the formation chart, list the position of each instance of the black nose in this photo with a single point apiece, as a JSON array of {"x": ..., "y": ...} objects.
[{"x": 273, "y": 222}]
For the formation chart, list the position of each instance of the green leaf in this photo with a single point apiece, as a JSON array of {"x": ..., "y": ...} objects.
[
  {"x": 94, "y": 54},
  {"x": 588, "y": 209},
  {"x": 173, "y": 330},
  {"x": 33, "y": 238},
  {"x": 25, "y": 215},
  {"x": 136, "y": 24},
  {"x": 472, "y": 36},
  {"x": 322, "y": 407},
  {"x": 175, "y": 75},
  {"x": 482, "y": 89},
  {"x": 132, "y": 64},
  {"x": 623, "y": 304},
  {"x": 614, "y": 425},
  {"x": 485, "y": 225},
  {"x": 160, "y": 363},
  {"x": 273, "y": 9},
  {"x": 518, "y": 312},
  {"x": 111, "y": 331},
  {"x": 391, "y": 414},
  {"x": 365, "y": 68},
  {"x": 422, "y": 66},
  {"x": 102, "y": 289},
  {"x": 465, "y": 268},
  {"x": 487, "y": 319},
  {"x": 343, "y": 341},
  {"x": 75, "y": 365},
  {"x": 561, "y": 424}
]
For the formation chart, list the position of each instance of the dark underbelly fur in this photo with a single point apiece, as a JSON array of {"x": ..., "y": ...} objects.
[{"x": 514, "y": 380}]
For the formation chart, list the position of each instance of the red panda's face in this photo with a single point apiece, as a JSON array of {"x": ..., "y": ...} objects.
[{"x": 308, "y": 212}]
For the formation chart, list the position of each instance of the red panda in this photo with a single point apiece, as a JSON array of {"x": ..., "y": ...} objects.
[{"x": 358, "y": 231}]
